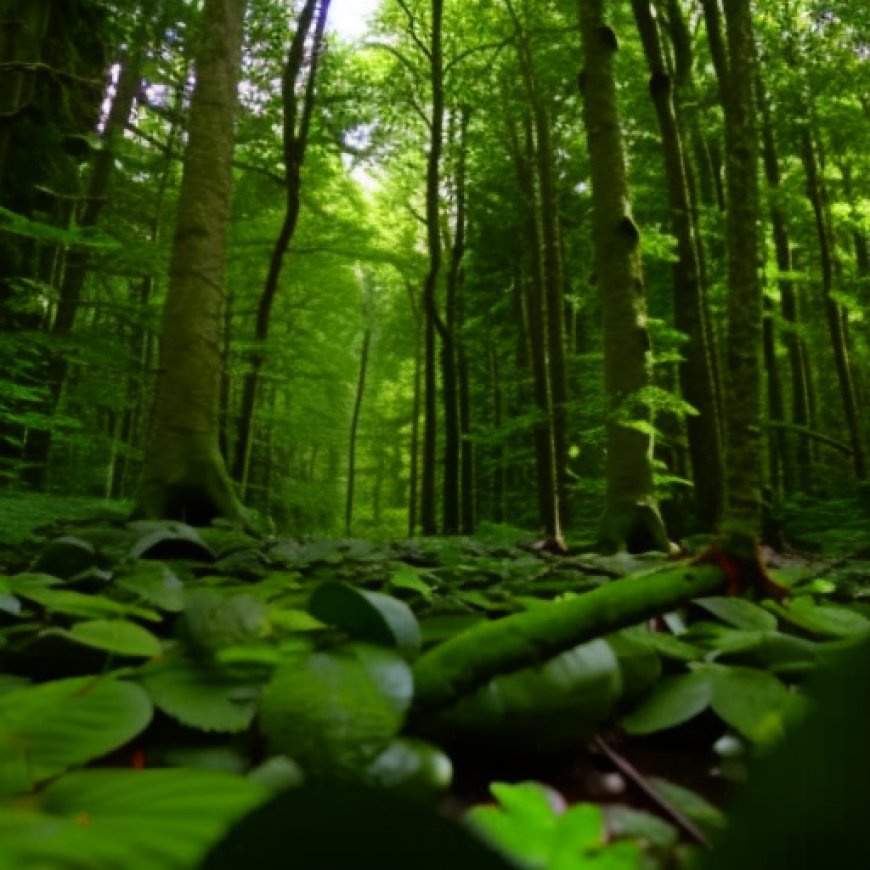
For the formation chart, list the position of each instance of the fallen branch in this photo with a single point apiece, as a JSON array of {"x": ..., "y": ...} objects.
[{"x": 469, "y": 660}]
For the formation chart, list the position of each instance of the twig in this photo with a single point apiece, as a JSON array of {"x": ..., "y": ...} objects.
[{"x": 630, "y": 772}]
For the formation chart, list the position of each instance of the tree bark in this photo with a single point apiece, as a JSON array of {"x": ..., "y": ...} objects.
[
  {"x": 297, "y": 125},
  {"x": 695, "y": 371},
  {"x": 184, "y": 476},
  {"x": 833, "y": 311},
  {"x": 744, "y": 465},
  {"x": 428, "y": 509},
  {"x": 796, "y": 464},
  {"x": 354, "y": 429},
  {"x": 631, "y": 518}
]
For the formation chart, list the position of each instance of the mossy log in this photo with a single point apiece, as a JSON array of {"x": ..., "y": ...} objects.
[{"x": 469, "y": 660}]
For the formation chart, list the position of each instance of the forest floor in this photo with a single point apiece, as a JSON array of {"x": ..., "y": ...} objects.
[{"x": 674, "y": 760}]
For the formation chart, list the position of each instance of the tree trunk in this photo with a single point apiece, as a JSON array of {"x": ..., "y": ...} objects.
[
  {"x": 354, "y": 429},
  {"x": 796, "y": 464},
  {"x": 297, "y": 124},
  {"x": 631, "y": 517},
  {"x": 744, "y": 464},
  {"x": 695, "y": 371},
  {"x": 428, "y": 510},
  {"x": 184, "y": 476},
  {"x": 833, "y": 313}
]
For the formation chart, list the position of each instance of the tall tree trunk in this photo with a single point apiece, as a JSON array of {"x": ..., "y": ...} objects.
[
  {"x": 550, "y": 257},
  {"x": 184, "y": 476},
  {"x": 631, "y": 517},
  {"x": 796, "y": 463},
  {"x": 354, "y": 429},
  {"x": 456, "y": 412},
  {"x": 532, "y": 305},
  {"x": 833, "y": 312},
  {"x": 744, "y": 463},
  {"x": 695, "y": 372},
  {"x": 297, "y": 125},
  {"x": 428, "y": 508},
  {"x": 414, "y": 460}
]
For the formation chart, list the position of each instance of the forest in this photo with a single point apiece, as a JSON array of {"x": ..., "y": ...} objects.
[{"x": 432, "y": 434}]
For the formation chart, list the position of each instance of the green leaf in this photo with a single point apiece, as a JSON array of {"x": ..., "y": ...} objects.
[
  {"x": 113, "y": 635},
  {"x": 336, "y": 711},
  {"x": 48, "y": 728},
  {"x": 201, "y": 694},
  {"x": 738, "y": 612},
  {"x": 674, "y": 701},
  {"x": 155, "y": 584},
  {"x": 824, "y": 620},
  {"x": 170, "y": 540},
  {"x": 540, "y": 709},
  {"x": 753, "y": 702},
  {"x": 213, "y": 619},
  {"x": 368, "y": 616},
  {"x": 415, "y": 767},
  {"x": 65, "y": 557},
  {"x": 625, "y": 821},
  {"x": 523, "y": 824},
  {"x": 407, "y": 577},
  {"x": 88, "y": 606},
  {"x": 138, "y": 820},
  {"x": 707, "y": 816}
]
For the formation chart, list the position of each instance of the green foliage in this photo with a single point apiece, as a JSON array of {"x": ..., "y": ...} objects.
[
  {"x": 334, "y": 712},
  {"x": 150, "y": 819},
  {"x": 527, "y": 827},
  {"x": 49, "y": 728}
]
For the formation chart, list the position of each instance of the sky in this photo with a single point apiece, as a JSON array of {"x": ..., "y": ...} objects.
[{"x": 348, "y": 17}]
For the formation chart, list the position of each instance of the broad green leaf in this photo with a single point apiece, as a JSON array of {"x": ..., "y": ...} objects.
[
  {"x": 415, "y": 767},
  {"x": 523, "y": 824},
  {"x": 639, "y": 663},
  {"x": 738, "y": 612},
  {"x": 753, "y": 702},
  {"x": 824, "y": 620},
  {"x": 540, "y": 709},
  {"x": 49, "y": 728},
  {"x": 530, "y": 827},
  {"x": 135, "y": 820},
  {"x": 670, "y": 647},
  {"x": 170, "y": 540},
  {"x": 368, "y": 616},
  {"x": 88, "y": 606},
  {"x": 406, "y": 577},
  {"x": 623, "y": 821},
  {"x": 704, "y": 814},
  {"x": 65, "y": 557},
  {"x": 154, "y": 583},
  {"x": 201, "y": 694},
  {"x": 336, "y": 711},
  {"x": 112, "y": 635},
  {"x": 674, "y": 701},
  {"x": 214, "y": 619}
]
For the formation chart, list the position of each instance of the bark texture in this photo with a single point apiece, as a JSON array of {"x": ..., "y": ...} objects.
[
  {"x": 631, "y": 518},
  {"x": 184, "y": 475}
]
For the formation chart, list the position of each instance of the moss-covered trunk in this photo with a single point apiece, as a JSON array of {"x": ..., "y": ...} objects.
[
  {"x": 184, "y": 475},
  {"x": 631, "y": 518}
]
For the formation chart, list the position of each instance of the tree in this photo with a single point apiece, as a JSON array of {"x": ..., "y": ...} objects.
[
  {"x": 184, "y": 476},
  {"x": 296, "y": 130},
  {"x": 631, "y": 518},
  {"x": 744, "y": 440}
]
